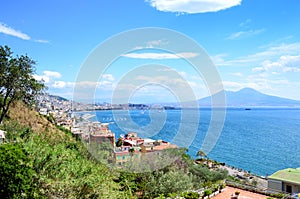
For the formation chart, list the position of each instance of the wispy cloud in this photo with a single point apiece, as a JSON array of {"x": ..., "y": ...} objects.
[
  {"x": 271, "y": 71},
  {"x": 193, "y": 6},
  {"x": 108, "y": 77},
  {"x": 107, "y": 82},
  {"x": 42, "y": 41},
  {"x": 245, "y": 23},
  {"x": 286, "y": 63},
  {"x": 242, "y": 34},
  {"x": 160, "y": 55},
  {"x": 153, "y": 44},
  {"x": 62, "y": 84},
  {"x": 237, "y": 74},
  {"x": 271, "y": 53},
  {"x": 47, "y": 76},
  {"x": 5, "y": 29}
]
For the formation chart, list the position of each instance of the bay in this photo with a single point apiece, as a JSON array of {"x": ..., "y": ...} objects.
[{"x": 260, "y": 140}]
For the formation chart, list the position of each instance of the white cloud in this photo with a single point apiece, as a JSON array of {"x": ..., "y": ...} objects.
[
  {"x": 274, "y": 70},
  {"x": 285, "y": 63},
  {"x": 242, "y": 34},
  {"x": 183, "y": 74},
  {"x": 153, "y": 44},
  {"x": 53, "y": 74},
  {"x": 245, "y": 23},
  {"x": 290, "y": 63},
  {"x": 258, "y": 69},
  {"x": 47, "y": 76},
  {"x": 12, "y": 32},
  {"x": 160, "y": 55},
  {"x": 108, "y": 77},
  {"x": 41, "y": 78},
  {"x": 156, "y": 43},
  {"x": 237, "y": 74},
  {"x": 257, "y": 85},
  {"x": 42, "y": 41},
  {"x": 219, "y": 59},
  {"x": 83, "y": 85},
  {"x": 62, "y": 84},
  {"x": 5, "y": 29},
  {"x": 193, "y": 6},
  {"x": 271, "y": 53}
]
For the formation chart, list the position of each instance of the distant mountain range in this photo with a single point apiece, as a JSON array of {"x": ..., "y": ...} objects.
[
  {"x": 248, "y": 97},
  {"x": 245, "y": 98}
]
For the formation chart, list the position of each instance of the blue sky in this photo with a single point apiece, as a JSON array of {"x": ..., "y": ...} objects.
[{"x": 252, "y": 43}]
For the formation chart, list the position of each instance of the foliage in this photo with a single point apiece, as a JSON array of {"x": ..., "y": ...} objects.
[
  {"x": 207, "y": 192},
  {"x": 16, "y": 80},
  {"x": 65, "y": 167},
  {"x": 172, "y": 195},
  {"x": 201, "y": 153},
  {"x": 64, "y": 173},
  {"x": 174, "y": 181},
  {"x": 254, "y": 182},
  {"x": 204, "y": 177},
  {"x": 16, "y": 173},
  {"x": 53, "y": 168},
  {"x": 190, "y": 195},
  {"x": 119, "y": 142},
  {"x": 50, "y": 118},
  {"x": 103, "y": 151}
]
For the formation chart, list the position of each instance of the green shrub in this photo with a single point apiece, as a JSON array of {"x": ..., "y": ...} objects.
[
  {"x": 190, "y": 195},
  {"x": 172, "y": 195},
  {"x": 207, "y": 192},
  {"x": 16, "y": 173}
]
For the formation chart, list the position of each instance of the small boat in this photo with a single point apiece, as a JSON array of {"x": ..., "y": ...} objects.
[{"x": 247, "y": 109}]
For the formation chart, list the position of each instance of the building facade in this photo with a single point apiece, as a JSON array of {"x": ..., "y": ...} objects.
[{"x": 287, "y": 180}]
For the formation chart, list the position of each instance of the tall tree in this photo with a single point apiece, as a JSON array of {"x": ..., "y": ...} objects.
[{"x": 17, "y": 80}]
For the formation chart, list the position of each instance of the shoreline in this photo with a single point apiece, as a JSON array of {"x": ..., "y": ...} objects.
[
  {"x": 251, "y": 179},
  {"x": 244, "y": 175}
]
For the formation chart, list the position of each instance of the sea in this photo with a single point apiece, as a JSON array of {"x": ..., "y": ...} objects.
[{"x": 259, "y": 140}]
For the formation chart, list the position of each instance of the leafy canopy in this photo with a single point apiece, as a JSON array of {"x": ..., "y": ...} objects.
[{"x": 17, "y": 80}]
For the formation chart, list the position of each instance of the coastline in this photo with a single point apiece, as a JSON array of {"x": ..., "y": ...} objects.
[
  {"x": 241, "y": 124},
  {"x": 241, "y": 174}
]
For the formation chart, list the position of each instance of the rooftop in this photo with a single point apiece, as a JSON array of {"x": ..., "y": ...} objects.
[{"x": 288, "y": 175}]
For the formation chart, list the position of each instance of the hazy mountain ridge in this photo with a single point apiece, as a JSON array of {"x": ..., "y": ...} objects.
[{"x": 248, "y": 97}]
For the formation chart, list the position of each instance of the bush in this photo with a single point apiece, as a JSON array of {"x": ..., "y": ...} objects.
[
  {"x": 170, "y": 182},
  {"x": 172, "y": 195},
  {"x": 16, "y": 179},
  {"x": 207, "y": 192},
  {"x": 190, "y": 195}
]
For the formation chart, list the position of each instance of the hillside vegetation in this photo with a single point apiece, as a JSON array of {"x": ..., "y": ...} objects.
[
  {"x": 41, "y": 160},
  {"x": 48, "y": 162}
]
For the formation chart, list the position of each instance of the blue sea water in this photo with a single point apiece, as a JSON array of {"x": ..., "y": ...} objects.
[{"x": 260, "y": 140}]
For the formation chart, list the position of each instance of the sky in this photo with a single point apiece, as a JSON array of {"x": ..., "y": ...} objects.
[{"x": 251, "y": 43}]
